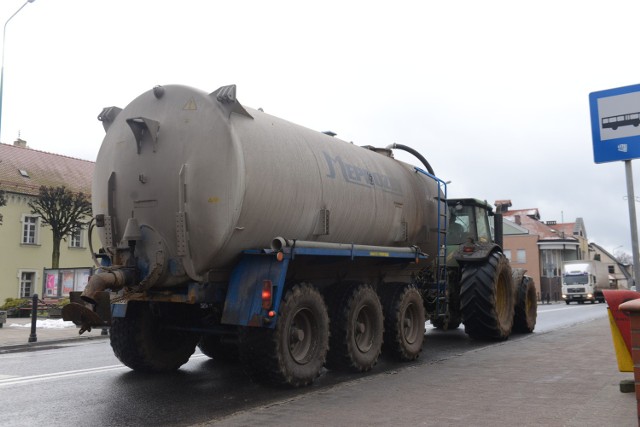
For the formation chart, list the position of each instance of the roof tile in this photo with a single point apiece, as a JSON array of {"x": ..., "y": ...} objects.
[{"x": 43, "y": 169}]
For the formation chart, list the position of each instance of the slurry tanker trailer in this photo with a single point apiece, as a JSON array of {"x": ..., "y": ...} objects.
[{"x": 290, "y": 250}]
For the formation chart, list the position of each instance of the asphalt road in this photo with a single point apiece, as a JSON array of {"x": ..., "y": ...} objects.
[{"x": 83, "y": 384}]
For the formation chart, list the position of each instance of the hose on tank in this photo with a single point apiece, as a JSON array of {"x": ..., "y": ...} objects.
[{"x": 415, "y": 153}]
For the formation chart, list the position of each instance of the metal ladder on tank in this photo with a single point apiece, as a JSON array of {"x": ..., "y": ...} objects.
[
  {"x": 441, "y": 259},
  {"x": 440, "y": 274}
]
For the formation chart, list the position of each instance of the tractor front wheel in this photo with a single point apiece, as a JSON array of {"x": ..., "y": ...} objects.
[{"x": 526, "y": 310}]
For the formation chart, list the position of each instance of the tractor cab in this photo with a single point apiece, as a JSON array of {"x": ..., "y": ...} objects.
[{"x": 468, "y": 221}]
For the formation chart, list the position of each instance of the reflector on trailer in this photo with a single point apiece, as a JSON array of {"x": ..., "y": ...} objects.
[{"x": 267, "y": 294}]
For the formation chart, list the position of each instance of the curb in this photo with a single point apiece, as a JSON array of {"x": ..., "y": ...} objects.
[{"x": 44, "y": 345}]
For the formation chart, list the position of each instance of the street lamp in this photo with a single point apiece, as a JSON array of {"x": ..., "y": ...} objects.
[{"x": 4, "y": 32}]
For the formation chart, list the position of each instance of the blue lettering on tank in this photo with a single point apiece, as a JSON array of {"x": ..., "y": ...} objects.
[{"x": 359, "y": 176}]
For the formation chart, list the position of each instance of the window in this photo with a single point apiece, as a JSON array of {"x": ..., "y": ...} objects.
[
  {"x": 75, "y": 239},
  {"x": 27, "y": 279},
  {"x": 461, "y": 225},
  {"x": 484, "y": 231},
  {"x": 29, "y": 230},
  {"x": 551, "y": 262},
  {"x": 612, "y": 269},
  {"x": 521, "y": 256}
]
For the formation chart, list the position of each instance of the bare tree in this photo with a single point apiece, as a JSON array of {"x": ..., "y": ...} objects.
[
  {"x": 63, "y": 211},
  {"x": 623, "y": 258}
]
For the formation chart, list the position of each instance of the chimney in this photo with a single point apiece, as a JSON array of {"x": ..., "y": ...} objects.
[
  {"x": 517, "y": 218},
  {"x": 20, "y": 143},
  {"x": 502, "y": 205}
]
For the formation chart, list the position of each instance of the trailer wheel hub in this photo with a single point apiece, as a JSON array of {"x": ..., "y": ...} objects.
[{"x": 297, "y": 335}]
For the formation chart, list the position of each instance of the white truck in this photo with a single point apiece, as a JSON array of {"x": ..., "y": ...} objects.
[{"x": 584, "y": 280}]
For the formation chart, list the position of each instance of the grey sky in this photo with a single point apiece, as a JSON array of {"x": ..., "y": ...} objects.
[{"x": 493, "y": 93}]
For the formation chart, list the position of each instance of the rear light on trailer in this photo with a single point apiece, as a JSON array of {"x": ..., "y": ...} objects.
[{"x": 267, "y": 294}]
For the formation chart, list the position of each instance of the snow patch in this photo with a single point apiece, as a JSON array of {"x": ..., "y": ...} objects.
[{"x": 46, "y": 324}]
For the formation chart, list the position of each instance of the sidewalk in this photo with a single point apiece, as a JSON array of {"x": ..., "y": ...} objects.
[
  {"x": 566, "y": 377},
  {"x": 14, "y": 335}
]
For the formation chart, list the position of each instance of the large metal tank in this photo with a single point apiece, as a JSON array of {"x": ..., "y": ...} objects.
[{"x": 206, "y": 178}]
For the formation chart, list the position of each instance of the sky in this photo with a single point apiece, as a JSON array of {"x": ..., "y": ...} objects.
[{"x": 495, "y": 94}]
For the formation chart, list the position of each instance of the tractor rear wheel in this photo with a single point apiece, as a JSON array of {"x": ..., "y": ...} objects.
[
  {"x": 357, "y": 326},
  {"x": 403, "y": 321},
  {"x": 294, "y": 352},
  {"x": 142, "y": 342},
  {"x": 487, "y": 298},
  {"x": 526, "y": 310}
]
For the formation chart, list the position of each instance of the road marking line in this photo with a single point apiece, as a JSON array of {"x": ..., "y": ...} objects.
[
  {"x": 7, "y": 380},
  {"x": 58, "y": 375}
]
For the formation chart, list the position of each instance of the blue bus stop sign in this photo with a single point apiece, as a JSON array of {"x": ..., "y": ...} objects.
[{"x": 615, "y": 124}]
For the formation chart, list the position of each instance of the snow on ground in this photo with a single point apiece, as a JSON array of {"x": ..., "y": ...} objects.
[{"x": 45, "y": 324}]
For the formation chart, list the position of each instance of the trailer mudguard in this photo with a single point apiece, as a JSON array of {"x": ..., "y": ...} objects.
[{"x": 243, "y": 304}]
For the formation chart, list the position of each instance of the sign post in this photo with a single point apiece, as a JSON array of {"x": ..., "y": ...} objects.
[
  {"x": 632, "y": 219},
  {"x": 615, "y": 128}
]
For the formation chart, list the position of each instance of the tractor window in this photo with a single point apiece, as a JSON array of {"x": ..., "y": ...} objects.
[
  {"x": 461, "y": 225},
  {"x": 484, "y": 230}
]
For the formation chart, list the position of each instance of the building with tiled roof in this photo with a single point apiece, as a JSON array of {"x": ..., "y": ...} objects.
[
  {"x": 25, "y": 245},
  {"x": 542, "y": 247},
  {"x": 23, "y": 170}
]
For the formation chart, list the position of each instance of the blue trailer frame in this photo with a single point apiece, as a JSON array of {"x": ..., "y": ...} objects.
[{"x": 243, "y": 304}]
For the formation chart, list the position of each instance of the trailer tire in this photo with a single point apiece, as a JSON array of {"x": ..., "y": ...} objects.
[
  {"x": 403, "y": 321},
  {"x": 357, "y": 327},
  {"x": 526, "y": 310},
  {"x": 294, "y": 352},
  {"x": 141, "y": 341},
  {"x": 215, "y": 347},
  {"x": 487, "y": 298}
]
